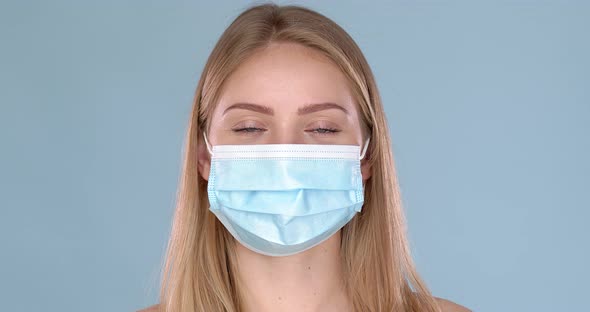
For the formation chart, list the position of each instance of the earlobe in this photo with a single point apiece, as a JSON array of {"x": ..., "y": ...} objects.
[
  {"x": 366, "y": 169},
  {"x": 204, "y": 160}
]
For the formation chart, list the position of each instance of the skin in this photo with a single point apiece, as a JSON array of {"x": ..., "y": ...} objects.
[{"x": 287, "y": 83}]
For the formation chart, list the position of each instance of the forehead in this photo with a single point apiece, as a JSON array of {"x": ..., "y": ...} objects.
[{"x": 286, "y": 76}]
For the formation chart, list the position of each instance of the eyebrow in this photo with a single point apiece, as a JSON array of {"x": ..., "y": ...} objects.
[
  {"x": 307, "y": 109},
  {"x": 312, "y": 108},
  {"x": 250, "y": 106}
]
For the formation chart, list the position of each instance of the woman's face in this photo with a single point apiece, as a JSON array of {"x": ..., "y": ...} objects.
[{"x": 287, "y": 94}]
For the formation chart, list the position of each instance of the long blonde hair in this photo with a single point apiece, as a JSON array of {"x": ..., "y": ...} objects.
[{"x": 199, "y": 273}]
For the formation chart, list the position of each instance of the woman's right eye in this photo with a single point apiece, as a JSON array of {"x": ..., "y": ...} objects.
[{"x": 248, "y": 130}]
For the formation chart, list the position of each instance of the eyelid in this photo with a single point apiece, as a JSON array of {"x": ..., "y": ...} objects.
[
  {"x": 250, "y": 123},
  {"x": 323, "y": 127},
  {"x": 326, "y": 124},
  {"x": 324, "y": 131},
  {"x": 247, "y": 129}
]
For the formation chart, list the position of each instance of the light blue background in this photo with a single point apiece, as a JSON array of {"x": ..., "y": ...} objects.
[{"x": 489, "y": 110}]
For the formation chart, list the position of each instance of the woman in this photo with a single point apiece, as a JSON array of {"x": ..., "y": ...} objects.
[{"x": 289, "y": 199}]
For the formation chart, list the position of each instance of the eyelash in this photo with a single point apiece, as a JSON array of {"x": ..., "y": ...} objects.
[
  {"x": 320, "y": 131},
  {"x": 249, "y": 130},
  {"x": 325, "y": 131}
]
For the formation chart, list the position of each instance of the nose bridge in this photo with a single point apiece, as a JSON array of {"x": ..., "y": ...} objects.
[{"x": 286, "y": 132}]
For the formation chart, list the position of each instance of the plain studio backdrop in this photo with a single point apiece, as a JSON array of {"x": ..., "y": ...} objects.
[{"x": 488, "y": 104}]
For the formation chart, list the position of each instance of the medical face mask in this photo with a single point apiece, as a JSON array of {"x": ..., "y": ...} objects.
[{"x": 282, "y": 199}]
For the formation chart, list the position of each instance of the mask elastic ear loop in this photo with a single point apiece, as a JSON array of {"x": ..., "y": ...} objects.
[
  {"x": 207, "y": 143},
  {"x": 365, "y": 149}
]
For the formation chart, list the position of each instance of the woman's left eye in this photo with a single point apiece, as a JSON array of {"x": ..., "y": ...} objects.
[{"x": 324, "y": 130}]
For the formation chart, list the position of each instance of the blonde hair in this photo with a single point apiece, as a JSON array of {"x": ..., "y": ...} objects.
[{"x": 200, "y": 269}]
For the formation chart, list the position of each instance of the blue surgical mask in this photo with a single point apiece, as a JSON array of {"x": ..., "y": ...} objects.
[{"x": 282, "y": 199}]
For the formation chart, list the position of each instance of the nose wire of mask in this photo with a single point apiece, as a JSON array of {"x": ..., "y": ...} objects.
[{"x": 282, "y": 199}]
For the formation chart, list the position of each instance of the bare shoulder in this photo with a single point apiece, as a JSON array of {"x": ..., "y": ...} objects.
[
  {"x": 154, "y": 308},
  {"x": 449, "y": 306}
]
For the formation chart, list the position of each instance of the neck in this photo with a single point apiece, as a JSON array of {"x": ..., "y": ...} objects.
[{"x": 309, "y": 281}]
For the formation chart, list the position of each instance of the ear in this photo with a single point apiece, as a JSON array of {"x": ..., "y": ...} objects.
[
  {"x": 366, "y": 168},
  {"x": 204, "y": 159}
]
